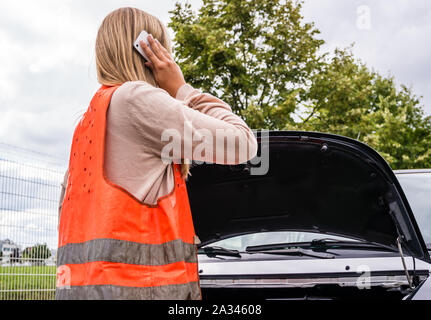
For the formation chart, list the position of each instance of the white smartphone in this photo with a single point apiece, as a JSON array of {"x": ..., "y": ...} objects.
[{"x": 137, "y": 45}]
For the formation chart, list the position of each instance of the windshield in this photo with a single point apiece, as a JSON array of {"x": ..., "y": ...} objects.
[
  {"x": 240, "y": 243},
  {"x": 417, "y": 187}
]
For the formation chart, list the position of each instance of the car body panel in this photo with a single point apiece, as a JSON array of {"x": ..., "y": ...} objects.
[
  {"x": 294, "y": 267},
  {"x": 423, "y": 292},
  {"x": 417, "y": 187},
  {"x": 291, "y": 272},
  {"x": 316, "y": 182}
]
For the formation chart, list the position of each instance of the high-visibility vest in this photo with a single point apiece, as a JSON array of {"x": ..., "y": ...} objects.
[{"x": 112, "y": 246}]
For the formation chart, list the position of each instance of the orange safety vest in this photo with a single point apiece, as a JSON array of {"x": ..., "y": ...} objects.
[{"x": 111, "y": 245}]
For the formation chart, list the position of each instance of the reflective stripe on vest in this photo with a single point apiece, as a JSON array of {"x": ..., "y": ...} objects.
[
  {"x": 111, "y": 245},
  {"x": 173, "y": 292},
  {"x": 127, "y": 252}
]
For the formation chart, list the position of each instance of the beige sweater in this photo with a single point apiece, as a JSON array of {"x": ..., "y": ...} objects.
[{"x": 137, "y": 117}]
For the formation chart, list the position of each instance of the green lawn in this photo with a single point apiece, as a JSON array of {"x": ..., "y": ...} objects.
[{"x": 27, "y": 283}]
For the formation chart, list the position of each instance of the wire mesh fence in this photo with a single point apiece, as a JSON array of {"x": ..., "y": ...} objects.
[{"x": 30, "y": 186}]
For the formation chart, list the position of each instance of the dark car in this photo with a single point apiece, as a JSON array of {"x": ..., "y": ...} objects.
[
  {"x": 328, "y": 220},
  {"x": 417, "y": 187}
]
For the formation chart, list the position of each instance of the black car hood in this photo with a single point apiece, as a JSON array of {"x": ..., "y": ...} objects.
[{"x": 315, "y": 183}]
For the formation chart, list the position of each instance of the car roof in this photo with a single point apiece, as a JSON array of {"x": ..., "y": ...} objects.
[{"x": 417, "y": 171}]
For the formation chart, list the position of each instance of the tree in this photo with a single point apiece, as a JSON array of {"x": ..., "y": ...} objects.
[
  {"x": 254, "y": 54},
  {"x": 37, "y": 254},
  {"x": 263, "y": 59},
  {"x": 348, "y": 99}
]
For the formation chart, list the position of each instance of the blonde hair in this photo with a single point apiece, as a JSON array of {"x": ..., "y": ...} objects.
[{"x": 117, "y": 61}]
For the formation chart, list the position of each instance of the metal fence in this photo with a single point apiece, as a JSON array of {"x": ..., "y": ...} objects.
[{"x": 30, "y": 186}]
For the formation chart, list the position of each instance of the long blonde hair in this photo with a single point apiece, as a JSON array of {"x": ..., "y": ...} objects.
[{"x": 117, "y": 61}]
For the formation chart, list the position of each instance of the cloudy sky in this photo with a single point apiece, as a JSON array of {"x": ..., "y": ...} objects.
[{"x": 47, "y": 65}]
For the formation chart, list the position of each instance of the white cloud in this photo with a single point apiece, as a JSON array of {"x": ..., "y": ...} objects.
[
  {"x": 47, "y": 64},
  {"x": 396, "y": 44},
  {"x": 27, "y": 228}
]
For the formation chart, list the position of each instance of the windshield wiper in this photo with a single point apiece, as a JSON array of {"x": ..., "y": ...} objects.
[
  {"x": 318, "y": 245},
  {"x": 213, "y": 252},
  {"x": 429, "y": 246},
  {"x": 296, "y": 251},
  {"x": 324, "y": 244}
]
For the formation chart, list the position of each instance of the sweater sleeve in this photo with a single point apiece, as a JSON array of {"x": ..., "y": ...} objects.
[
  {"x": 197, "y": 125},
  {"x": 63, "y": 191}
]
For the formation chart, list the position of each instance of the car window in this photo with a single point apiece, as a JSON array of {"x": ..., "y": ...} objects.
[
  {"x": 242, "y": 242},
  {"x": 417, "y": 187}
]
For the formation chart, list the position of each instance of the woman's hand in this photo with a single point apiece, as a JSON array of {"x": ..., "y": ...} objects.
[{"x": 167, "y": 73}]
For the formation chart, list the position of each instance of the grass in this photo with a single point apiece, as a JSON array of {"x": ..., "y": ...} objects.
[{"x": 27, "y": 283}]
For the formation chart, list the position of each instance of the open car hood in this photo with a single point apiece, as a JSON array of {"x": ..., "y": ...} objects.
[{"x": 315, "y": 183}]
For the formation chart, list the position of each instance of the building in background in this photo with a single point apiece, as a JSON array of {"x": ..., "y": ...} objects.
[{"x": 9, "y": 250}]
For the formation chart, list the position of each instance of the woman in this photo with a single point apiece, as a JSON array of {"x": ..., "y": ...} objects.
[{"x": 126, "y": 230}]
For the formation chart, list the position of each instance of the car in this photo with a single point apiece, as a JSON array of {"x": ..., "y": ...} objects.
[
  {"x": 417, "y": 187},
  {"x": 328, "y": 220}
]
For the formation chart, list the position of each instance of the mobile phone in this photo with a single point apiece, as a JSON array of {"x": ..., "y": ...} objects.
[{"x": 137, "y": 45}]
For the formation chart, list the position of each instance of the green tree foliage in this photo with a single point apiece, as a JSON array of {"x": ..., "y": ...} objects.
[
  {"x": 253, "y": 54},
  {"x": 37, "y": 254},
  {"x": 348, "y": 99},
  {"x": 264, "y": 60}
]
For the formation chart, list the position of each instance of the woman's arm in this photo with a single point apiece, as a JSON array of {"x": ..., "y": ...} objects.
[
  {"x": 63, "y": 191},
  {"x": 209, "y": 121},
  {"x": 197, "y": 119}
]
